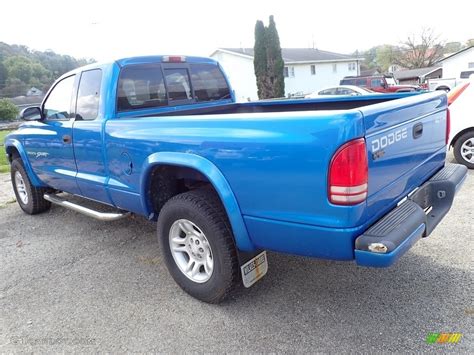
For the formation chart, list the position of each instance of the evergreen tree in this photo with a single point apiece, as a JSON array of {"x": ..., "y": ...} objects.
[
  {"x": 260, "y": 60},
  {"x": 275, "y": 62},
  {"x": 268, "y": 62}
]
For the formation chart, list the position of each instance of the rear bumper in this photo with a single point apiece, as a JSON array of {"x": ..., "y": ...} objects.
[{"x": 389, "y": 238}]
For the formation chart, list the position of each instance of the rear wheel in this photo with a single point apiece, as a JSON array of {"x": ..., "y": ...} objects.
[
  {"x": 29, "y": 197},
  {"x": 197, "y": 245},
  {"x": 464, "y": 149}
]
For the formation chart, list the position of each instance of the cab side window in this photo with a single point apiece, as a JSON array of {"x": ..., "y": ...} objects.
[
  {"x": 375, "y": 83},
  {"x": 88, "y": 97},
  {"x": 58, "y": 103}
]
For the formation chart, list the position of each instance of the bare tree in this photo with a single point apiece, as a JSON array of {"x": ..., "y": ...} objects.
[{"x": 419, "y": 51}]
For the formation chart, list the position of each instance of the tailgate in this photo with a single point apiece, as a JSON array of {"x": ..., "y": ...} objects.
[{"x": 406, "y": 145}]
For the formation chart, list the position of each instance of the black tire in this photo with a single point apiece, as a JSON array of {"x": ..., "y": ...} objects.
[
  {"x": 457, "y": 149},
  {"x": 35, "y": 202},
  {"x": 203, "y": 208}
]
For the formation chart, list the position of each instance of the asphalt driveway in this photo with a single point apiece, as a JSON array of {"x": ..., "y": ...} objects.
[{"x": 70, "y": 283}]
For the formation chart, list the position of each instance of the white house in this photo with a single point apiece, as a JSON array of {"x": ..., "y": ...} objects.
[
  {"x": 457, "y": 62},
  {"x": 306, "y": 69},
  {"x": 34, "y": 92}
]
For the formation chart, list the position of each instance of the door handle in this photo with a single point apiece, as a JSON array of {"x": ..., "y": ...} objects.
[
  {"x": 417, "y": 130},
  {"x": 67, "y": 139}
]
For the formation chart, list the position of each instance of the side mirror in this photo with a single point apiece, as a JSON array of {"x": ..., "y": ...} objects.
[{"x": 31, "y": 114}]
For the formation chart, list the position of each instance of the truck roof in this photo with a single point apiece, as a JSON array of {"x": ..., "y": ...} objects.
[
  {"x": 150, "y": 59},
  {"x": 142, "y": 60},
  {"x": 162, "y": 58}
]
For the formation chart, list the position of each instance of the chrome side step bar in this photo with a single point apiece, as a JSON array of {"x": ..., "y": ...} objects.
[{"x": 101, "y": 216}]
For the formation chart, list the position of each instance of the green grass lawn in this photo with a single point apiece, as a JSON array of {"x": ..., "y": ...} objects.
[{"x": 4, "y": 165}]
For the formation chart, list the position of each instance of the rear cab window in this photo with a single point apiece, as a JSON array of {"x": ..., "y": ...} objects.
[
  {"x": 178, "y": 84},
  {"x": 142, "y": 86},
  {"x": 209, "y": 83}
]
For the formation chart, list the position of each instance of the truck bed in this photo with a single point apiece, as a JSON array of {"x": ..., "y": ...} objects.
[
  {"x": 275, "y": 156},
  {"x": 279, "y": 105}
]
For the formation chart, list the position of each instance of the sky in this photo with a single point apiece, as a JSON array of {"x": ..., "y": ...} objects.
[{"x": 105, "y": 30}]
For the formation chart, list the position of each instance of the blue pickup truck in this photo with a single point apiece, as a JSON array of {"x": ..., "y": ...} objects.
[{"x": 357, "y": 178}]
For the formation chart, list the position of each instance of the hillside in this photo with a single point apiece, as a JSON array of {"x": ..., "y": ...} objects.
[{"x": 22, "y": 68}]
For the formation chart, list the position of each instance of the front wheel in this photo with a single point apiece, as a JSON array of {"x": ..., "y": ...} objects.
[
  {"x": 29, "y": 197},
  {"x": 464, "y": 149},
  {"x": 197, "y": 245}
]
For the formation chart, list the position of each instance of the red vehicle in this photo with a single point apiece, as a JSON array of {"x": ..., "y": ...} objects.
[{"x": 378, "y": 83}]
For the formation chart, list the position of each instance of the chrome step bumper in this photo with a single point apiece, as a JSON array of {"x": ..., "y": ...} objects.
[{"x": 389, "y": 238}]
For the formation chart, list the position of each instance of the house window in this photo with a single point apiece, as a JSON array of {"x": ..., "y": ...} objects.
[
  {"x": 352, "y": 66},
  {"x": 334, "y": 68},
  {"x": 313, "y": 69},
  {"x": 289, "y": 72}
]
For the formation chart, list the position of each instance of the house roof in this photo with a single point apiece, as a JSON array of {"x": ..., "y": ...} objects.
[
  {"x": 370, "y": 72},
  {"x": 414, "y": 73},
  {"x": 456, "y": 53},
  {"x": 292, "y": 55}
]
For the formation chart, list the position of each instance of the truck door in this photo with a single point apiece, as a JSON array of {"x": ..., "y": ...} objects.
[
  {"x": 49, "y": 144},
  {"x": 87, "y": 136}
]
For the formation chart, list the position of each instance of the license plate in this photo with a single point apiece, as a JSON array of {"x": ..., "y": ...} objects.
[{"x": 254, "y": 269}]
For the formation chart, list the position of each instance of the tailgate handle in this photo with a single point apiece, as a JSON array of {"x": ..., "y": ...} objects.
[{"x": 417, "y": 130}]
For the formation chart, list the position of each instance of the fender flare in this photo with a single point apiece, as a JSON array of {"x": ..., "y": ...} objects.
[
  {"x": 14, "y": 143},
  {"x": 459, "y": 134},
  {"x": 217, "y": 179}
]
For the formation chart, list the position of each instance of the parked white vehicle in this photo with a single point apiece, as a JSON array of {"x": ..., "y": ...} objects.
[
  {"x": 342, "y": 90},
  {"x": 449, "y": 83},
  {"x": 461, "y": 109}
]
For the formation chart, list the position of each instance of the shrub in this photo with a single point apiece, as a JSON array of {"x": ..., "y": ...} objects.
[{"x": 8, "y": 110}]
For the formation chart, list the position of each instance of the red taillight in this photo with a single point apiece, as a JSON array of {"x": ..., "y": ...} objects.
[
  {"x": 348, "y": 174},
  {"x": 173, "y": 59}
]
